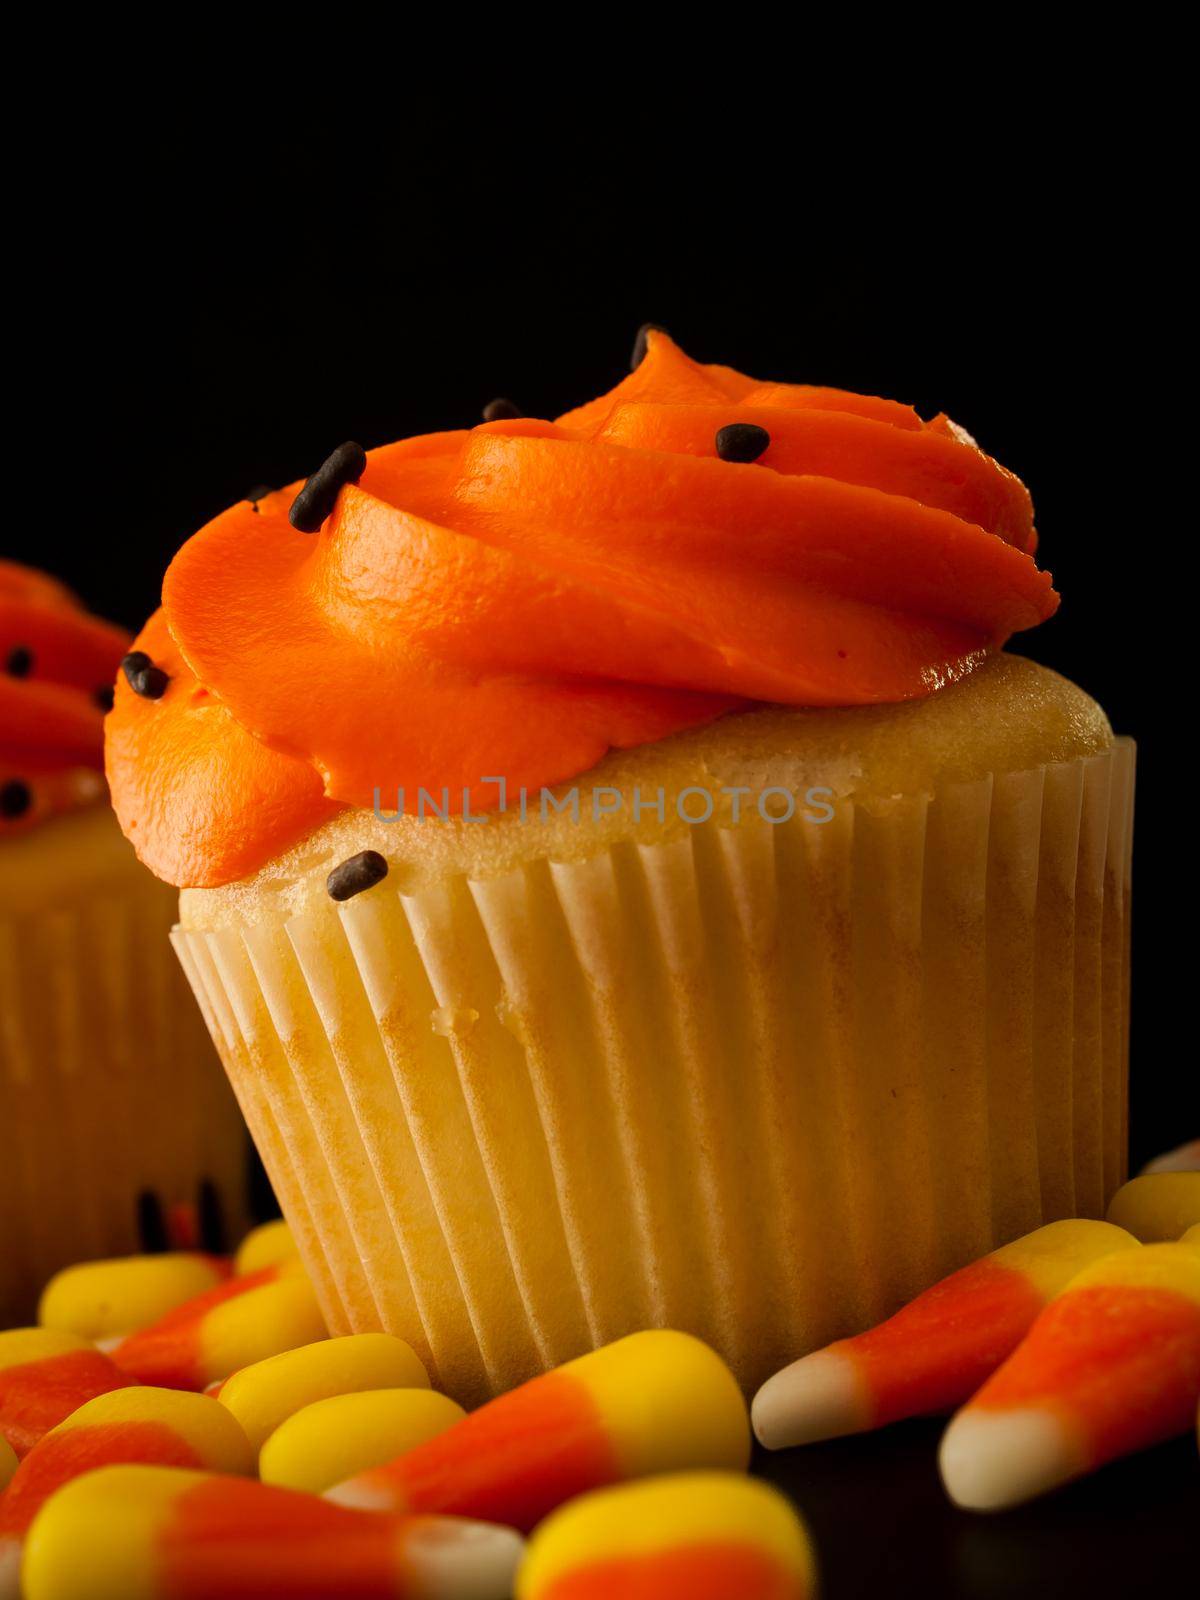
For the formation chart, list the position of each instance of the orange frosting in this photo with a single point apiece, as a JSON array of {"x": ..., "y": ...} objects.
[
  {"x": 518, "y": 598},
  {"x": 51, "y": 724}
]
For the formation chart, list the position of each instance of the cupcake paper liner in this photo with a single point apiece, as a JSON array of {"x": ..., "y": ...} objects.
[
  {"x": 109, "y": 1087},
  {"x": 762, "y": 1083}
]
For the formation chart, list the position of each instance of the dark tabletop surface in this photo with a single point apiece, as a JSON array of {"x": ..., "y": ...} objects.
[{"x": 882, "y": 1525}]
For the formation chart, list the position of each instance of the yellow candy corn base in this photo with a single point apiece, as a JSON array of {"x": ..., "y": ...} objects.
[
  {"x": 551, "y": 1083},
  {"x": 108, "y": 1084},
  {"x": 682, "y": 1511}
]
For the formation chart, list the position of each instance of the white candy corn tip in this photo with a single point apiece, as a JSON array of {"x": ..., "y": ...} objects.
[
  {"x": 991, "y": 1460},
  {"x": 10, "y": 1569},
  {"x": 360, "y": 1495},
  {"x": 450, "y": 1558},
  {"x": 1185, "y": 1158},
  {"x": 818, "y": 1397}
]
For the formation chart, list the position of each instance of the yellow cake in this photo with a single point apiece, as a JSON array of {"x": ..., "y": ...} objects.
[
  {"x": 556, "y": 1060},
  {"x": 115, "y": 1114},
  {"x": 554, "y": 1082}
]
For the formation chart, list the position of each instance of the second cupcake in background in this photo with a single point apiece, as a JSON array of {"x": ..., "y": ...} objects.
[
  {"x": 115, "y": 1114},
  {"x": 625, "y": 882}
]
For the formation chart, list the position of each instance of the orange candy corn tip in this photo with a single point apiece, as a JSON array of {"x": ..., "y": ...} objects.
[
  {"x": 936, "y": 1350},
  {"x": 689, "y": 1536},
  {"x": 155, "y": 1533},
  {"x": 1110, "y": 1367},
  {"x": 45, "y": 1375},
  {"x": 654, "y": 1402},
  {"x": 1158, "y": 1206},
  {"x": 234, "y": 1325}
]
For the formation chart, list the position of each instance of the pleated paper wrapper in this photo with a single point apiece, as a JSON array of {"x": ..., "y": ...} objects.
[
  {"x": 762, "y": 1083},
  {"x": 109, "y": 1087}
]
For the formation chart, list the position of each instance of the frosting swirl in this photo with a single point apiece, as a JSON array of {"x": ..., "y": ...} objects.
[
  {"x": 56, "y": 661},
  {"x": 518, "y": 598}
]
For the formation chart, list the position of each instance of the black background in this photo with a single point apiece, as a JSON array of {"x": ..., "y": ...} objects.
[{"x": 206, "y": 317}]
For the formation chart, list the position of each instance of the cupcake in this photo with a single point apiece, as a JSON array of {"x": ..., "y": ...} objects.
[
  {"x": 627, "y": 882},
  {"x": 118, "y": 1125}
]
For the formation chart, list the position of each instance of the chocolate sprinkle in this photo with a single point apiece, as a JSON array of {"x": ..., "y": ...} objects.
[
  {"x": 499, "y": 410},
  {"x": 641, "y": 344},
  {"x": 20, "y": 662},
  {"x": 742, "y": 441},
  {"x": 103, "y": 696},
  {"x": 355, "y": 874},
  {"x": 152, "y": 683},
  {"x": 316, "y": 500},
  {"x": 143, "y": 676},
  {"x": 16, "y": 797},
  {"x": 151, "y": 1224}
]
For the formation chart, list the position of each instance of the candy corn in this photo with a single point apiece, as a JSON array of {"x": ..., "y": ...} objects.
[
  {"x": 104, "y": 1300},
  {"x": 265, "y": 1246},
  {"x": 653, "y": 1402},
  {"x": 44, "y": 1376},
  {"x": 1184, "y": 1158},
  {"x": 936, "y": 1351},
  {"x": 8, "y": 1463},
  {"x": 154, "y": 1533},
  {"x": 239, "y": 1322},
  {"x": 693, "y": 1536},
  {"x": 265, "y": 1394},
  {"x": 349, "y": 1433},
  {"x": 1191, "y": 1237},
  {"x": 146, "y": 1425},
  {"x": 1110, "y": 1367},
  {"x": 1157, "y": 1207}
]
